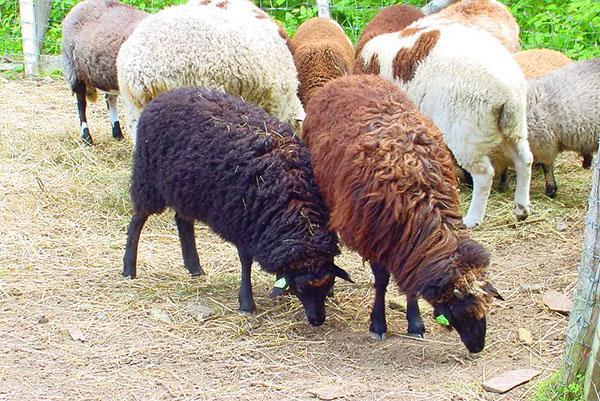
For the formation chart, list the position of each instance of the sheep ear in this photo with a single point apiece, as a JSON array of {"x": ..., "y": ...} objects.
[
  {"x": 341, "y": 273},
  {"x": 490, "y": 289}
]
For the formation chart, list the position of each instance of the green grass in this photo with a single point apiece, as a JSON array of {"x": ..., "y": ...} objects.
[{"x": 551, "y": 389}]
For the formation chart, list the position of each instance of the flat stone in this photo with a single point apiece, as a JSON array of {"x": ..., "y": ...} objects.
[
  {"x": 199, "y": 311},
  {"x": 525, "y": 336},
  {"x": 561, "y": 225},
  {"x": 557, "y": 301},
  {"x": 161, "y": 315},
  {"x": 509, "y": 380},
  {"x": 76, "y": 334}
]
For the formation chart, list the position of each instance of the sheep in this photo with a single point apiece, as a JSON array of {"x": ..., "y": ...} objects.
[
  {"x": 214, "y": 158},
  {"x": 489, "y": 15},
  {"x": 390, "y": 19},
  {"x": 322, "y": 52},
  {"x": 93, "y": 32},
  {"x": 473, "y": 90},
  {"x": 389, "y": 183},
  {"x": 231, "y": 45},
  {"x": 562, "y": 114},
  {"x": 539, "y": 62}
]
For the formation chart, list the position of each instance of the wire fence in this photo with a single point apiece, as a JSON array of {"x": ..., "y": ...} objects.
[{"x": 573, "y": 28}]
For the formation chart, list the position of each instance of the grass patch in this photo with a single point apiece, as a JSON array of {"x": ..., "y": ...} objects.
[{"x": 552, "y": 389}]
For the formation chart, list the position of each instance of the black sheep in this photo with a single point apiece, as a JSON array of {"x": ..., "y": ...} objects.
[{"x": 211, "y": 157}]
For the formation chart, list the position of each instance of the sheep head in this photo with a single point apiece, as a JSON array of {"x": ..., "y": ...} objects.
[{"x": 464, "y": 295}]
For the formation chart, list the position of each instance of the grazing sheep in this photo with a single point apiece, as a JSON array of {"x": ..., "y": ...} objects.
[
  {"x": 390, "y": 19},
  {"x": 93, "y": 32},
  {"x": 489, "y": 15},
  {"x": 322, "y": 52},
  {"x": 211, "y": 157},
  {"x": 390, "y": 185},
  {"x": 562, "y": 114},
  {"x": 473, "y": 90},
  {"x": 539, "y": 62},
  {"x": 232, "y": 46}
]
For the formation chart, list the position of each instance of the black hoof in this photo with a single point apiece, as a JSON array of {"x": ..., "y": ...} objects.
[
  {"x": 116, "y": 131},
  {"x": 551, "y": 191},
  {"x": 378, "y": 330},
  {"x": 377, "y": 336},
  {"x": 416, "y": 330},
  {"x": 86, "y": 137},
  {"x": 197, "y": 272},
  {"x": 128, "y": 275},
  {"x": 415, "y": 335},
  {"x": 248, "y": 309}
]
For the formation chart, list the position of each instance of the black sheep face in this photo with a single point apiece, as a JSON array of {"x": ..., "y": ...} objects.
[
  {"x": 312, "y": 289},
  {"x": 471, "y": 329}
]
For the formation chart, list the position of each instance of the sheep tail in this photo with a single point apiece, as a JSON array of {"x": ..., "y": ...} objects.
[{"x": 72, "y": 78}]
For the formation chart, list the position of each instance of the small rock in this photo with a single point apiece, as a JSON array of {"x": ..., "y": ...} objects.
[
  {"x": 509, "y": 380},
  {"x": 525, "y": 336},
  {"x": 199, "y": 311},
  {"x": 557, "y": 302},
  {"x": 331, "y": 392},
  {"x": 47, "y": 80},
  {"x": 161, "y": 314},
  {"x": 100, "y": 315},
  {"x": 396, "y": 306},
  {"x": 76, "y": 334},
  {"x": 43, "y": 319},
  {"x": 561, "y": 225},
  {"x": 535, "y": 288}
]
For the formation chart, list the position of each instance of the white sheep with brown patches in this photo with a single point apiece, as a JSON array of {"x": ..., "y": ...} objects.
[
  {"x": 230, "y": 45},
  {"x": 473, "y": 90}
]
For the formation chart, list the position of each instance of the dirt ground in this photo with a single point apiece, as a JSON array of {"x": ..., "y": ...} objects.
[{"x": 64, "y": 209}]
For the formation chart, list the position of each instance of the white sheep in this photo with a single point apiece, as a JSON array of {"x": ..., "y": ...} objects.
[
  {"x": 230, "y": 45},
  {"x": 93, "y": 32},
  {"x": 473, "y": 90}
]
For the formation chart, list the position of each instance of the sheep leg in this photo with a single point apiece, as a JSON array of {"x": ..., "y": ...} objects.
[
  {"x": 523, "y": 159},
  {"x": 551, "y": 186},
  {"x": 133, "y": 115},
  {"x": 188, "y": 246},
  {"x": 111, "y": 103},
  {"x": 483, "y": 175},
  {"x": 587, "y": 161},
  {"x": 378, "y": 326},
  {"x": 416, "y": 328},
  {"x": 245, "y": 297},
  {"x": 131, "y": 248},
  {"x": 81, "y": 105}
]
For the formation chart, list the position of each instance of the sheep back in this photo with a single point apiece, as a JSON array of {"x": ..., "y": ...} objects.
[
  {"x": 385, "y": 173},
  {"x": 214, "y": 158},
  {"x": 539, "y": 62},
  {"x": 241, "y": 53},
  {"x": 322, "y": 52},
  {"x": 93, "y": 33}
]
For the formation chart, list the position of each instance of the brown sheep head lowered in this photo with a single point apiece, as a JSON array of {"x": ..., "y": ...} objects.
[{"x": 462, "y": 298}]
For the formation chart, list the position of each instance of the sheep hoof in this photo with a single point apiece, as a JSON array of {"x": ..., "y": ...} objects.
[
  {"x": 116, "y": 131},
  {"x": 377, "y": 336},
  {"x": 415, "y": 335},
  {"x": 86, "y": 137},
  {"x": 470, "y": 222},
  {"x": 551, "y": 191},
  {"x": 198, "y": 274},
  {"x": 521, "y": 212},
  {"x": 128, "y": 276}
]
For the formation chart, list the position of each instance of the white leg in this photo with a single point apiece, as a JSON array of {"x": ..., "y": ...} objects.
[
  {"x": 522, "y": 158},
  {"x": 111, "y": 103},
  {"x": 483, "y": 175},
  {"x": 133, "y": 115}
]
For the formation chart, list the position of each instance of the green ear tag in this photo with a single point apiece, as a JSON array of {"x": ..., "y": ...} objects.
[
  {"x": 281, "y": 284},
  {"x": 441, "y": 319}
]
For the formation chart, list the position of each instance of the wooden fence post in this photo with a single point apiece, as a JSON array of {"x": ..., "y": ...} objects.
[
  {"x": 323, "y": 8},
  {"x": 582, "y": 349},
  {"x": 435, "y": 5},
  {"x": 34, "y": 21}
]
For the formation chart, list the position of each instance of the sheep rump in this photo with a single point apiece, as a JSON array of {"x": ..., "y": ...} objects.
[{"x": 536, "y": 63}]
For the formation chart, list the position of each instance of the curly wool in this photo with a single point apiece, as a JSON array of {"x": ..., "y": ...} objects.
[
  {"x": 389, "y": 183},
  {"x": 93, "y": 32},
  {"x": 536, "y": 63},
  {"x": 214, "y": 158},
  {"x": 231, "y": 46},
  {"x": 322, "y": 52}
]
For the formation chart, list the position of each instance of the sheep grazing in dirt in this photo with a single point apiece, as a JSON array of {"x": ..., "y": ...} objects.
[
  {"x": 473, "y": 90},
  {"x": 232, "y": 46},
  {"x": 322, "y": 52},
  {"x": 211, "y": 157},
  {"x": 93, "y": 32},
  {"x": 562, "y": 114},
  {"x": 488, "y": 15},
  {"x": 390, "y": 185},
  {"x": 390, "y": 19},
  {"x": 539, "y": 62}
]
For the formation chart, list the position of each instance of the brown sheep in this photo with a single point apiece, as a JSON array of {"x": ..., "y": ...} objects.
[
  {"x": 536, "y": 63},
  {"x": 322, "y": 52},
  {"x": 389, "y": 182},
  {"x": 390, "y": 19}
]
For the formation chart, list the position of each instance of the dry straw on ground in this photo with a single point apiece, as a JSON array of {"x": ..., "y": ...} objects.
[{"x": 63, "y": 213}]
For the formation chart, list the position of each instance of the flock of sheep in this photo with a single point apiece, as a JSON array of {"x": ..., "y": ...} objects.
[{"x": 283, "y": 145}]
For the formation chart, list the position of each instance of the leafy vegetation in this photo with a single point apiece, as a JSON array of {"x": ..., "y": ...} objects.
[
  {"x": 571, "y": 26},
  {"x": 551, "y": 389}
]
